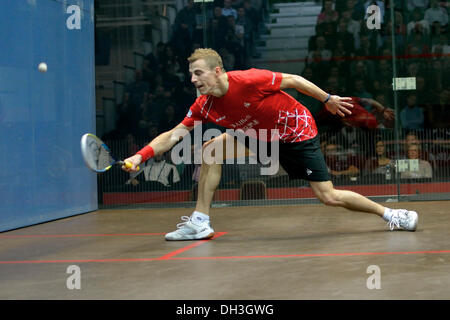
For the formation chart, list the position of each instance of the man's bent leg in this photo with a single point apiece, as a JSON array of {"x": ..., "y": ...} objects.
[
  {"x": 397, "y": 218},
  {"x": 350, "y": 200}
]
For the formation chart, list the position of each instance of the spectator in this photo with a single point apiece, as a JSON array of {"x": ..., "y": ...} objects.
[
  {"x": 185, "y": 19},
  {"x": 346, "y": 37},
  {"x": 340, "y": 164},
  {"x": 399, "y": 34},
  {"x": 417, "y": 4},
  {"x": 441, "y": 47},
  {"x": 412, "y": 116},
  {"x": 359, "y": 89},
  {"x": 252, "y": 13},
  {"x": 228, "y": 59},
  {"x": 360, "y": 70},
  {"x": 436, "y": 13},
  {"x": 418, "y": 23},
  {"x": 170, "y": 58},
  {"x": 353, "y": 27},
  {"x": 424, "y": 97},
  {"x": 418, "y": 43},
  {"x": 247, "y": 31},
  {"x": 135, "y": 91},
  {"x": 380, "y": 163},
  {"x": 321, "y": 50},
  {"x": 216, "y": 38},
  {"x": 328, "y": 14},
  {"x": 438, "y": 114},
  {"x": 357, "y": 9},
  {"x": 383, "y": 69},
  {"x": 366, "y": 48},
  {"x": 228, "y": 10},
  {"x": 171, "y": 79},
  {"x": 436, "y": 31},
  {"x": 320, "y": 32},
  {"x": 419, "y": 168},
  {"x": 159, "y": 170},
  {"x": 152, "y": 65},
  {"x": 132, "y": 146},
  {"x": 234, "y": 43},
  {"x": 318, "y": 65},
  {"x": 438, "y": 74},
  {"x": 169, "y": 119}
]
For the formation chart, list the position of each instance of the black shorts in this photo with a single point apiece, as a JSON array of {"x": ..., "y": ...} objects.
[{"x": 301, "y": 160}]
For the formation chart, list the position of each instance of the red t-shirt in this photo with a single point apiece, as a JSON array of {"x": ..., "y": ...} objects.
[{"x": 254, "y": 101}]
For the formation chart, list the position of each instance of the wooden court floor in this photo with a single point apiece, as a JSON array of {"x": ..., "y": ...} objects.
[{"x": 273, "y": 252}]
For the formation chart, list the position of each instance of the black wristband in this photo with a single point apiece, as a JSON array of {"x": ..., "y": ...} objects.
[{"x": 328, "y": 98}]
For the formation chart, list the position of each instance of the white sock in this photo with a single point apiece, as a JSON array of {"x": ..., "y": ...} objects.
[
  {"x": 387, "y": 214},
  {"x": 199, "y": 216}
]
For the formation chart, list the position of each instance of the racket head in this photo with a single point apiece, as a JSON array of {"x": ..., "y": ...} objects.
[{"x": 96, "y": 153}]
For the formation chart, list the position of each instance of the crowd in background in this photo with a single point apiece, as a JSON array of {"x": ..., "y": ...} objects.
[
  {"x": 345, "y": 57},
  {"x": 348, "y": 58},
  {"x": 161, "y": 92}
]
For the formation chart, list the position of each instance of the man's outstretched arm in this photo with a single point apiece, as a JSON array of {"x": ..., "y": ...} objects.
[
  {"x": 161, "y": 144},
  {"x": 335, "y": 104}
]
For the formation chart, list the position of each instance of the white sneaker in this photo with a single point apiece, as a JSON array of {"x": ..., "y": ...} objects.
[
  {"x": 403, "y": 219},
  {"x": 190, "y": 230}
]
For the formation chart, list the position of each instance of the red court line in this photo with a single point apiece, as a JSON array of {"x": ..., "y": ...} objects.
[
  {"x": 228, "y": 257},
  {"x": 165, "y": 257},
  {"x": 77, "y": 235},
  {"x": 313, "y": 255},
  {"x": 77, "y": 261},
  {"x": 170, "y": 255}
]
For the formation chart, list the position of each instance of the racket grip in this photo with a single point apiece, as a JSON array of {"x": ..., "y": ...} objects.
[{"x": 129, "y": 165}]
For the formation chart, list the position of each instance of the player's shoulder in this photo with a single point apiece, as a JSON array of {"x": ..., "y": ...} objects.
[{"x": 244, "y": 75}]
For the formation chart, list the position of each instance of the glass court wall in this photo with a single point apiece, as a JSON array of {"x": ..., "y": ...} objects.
[
  {"x": 391, "y": 57},
  {"x": 43, "y": 113}
]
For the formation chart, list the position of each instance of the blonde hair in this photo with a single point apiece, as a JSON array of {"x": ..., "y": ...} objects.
[{"x": 211, "y": 57}]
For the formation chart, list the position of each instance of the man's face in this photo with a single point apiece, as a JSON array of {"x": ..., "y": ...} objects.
[
  {"x": 380, "y": 148},
  {"x": 203, "y": 78},
  {"x": 411, "y": 138},
  {"x": 413, "y": 152}
]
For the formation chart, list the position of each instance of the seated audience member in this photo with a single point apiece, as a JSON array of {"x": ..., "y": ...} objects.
[
  {"x": 380, "y": 163},
  {"x": 417, "y": 23},
  {"x": 411, "y": 137},
  {"x": 416, "y": 169},
  {"x": 228, "y": 10},
  {"x": 412, "y": 116},
  {"x": 436, "y": 13},
  {"x": 438, "y": 115},
  {"x": 340, "y": 164},
  {"x": 328, "y": 14},
  {"x": 159, "y": 170}
]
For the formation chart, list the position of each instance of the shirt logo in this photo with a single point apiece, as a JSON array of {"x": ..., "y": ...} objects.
[
  {"x": 220, "y": 119},
  {"x": 246, "y": 104},
  {"x": 308, "y": 172},
  {"x": 189, "y": 114}
]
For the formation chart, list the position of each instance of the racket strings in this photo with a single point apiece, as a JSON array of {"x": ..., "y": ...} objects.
[{"x": 100, "y": 157}]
